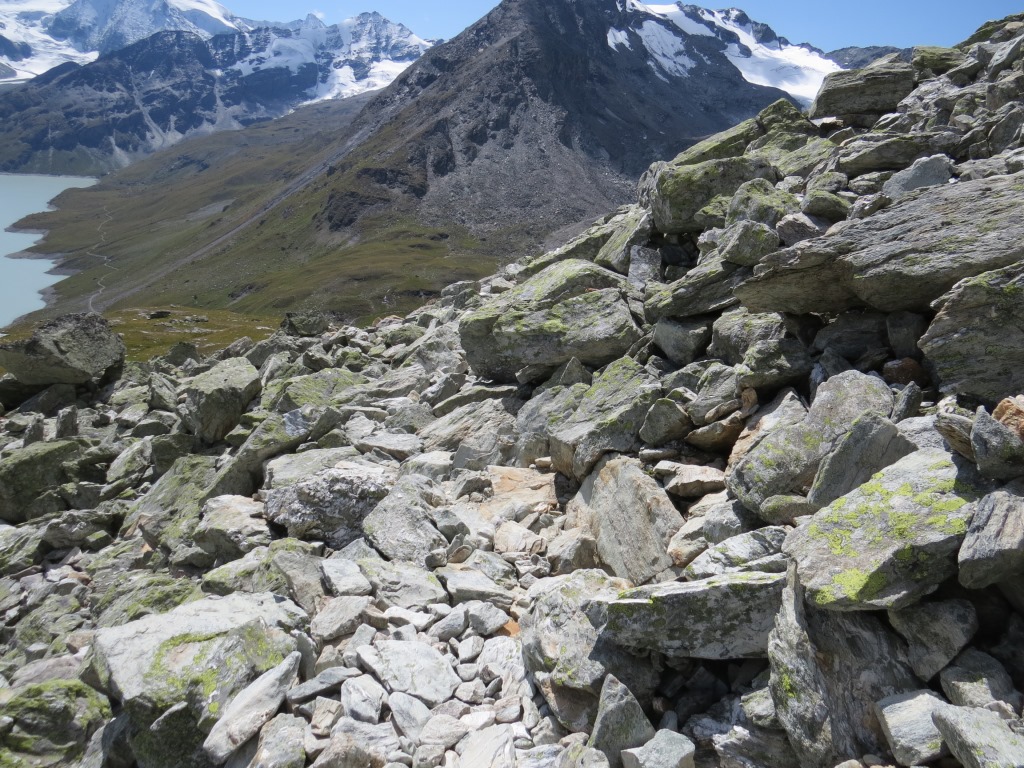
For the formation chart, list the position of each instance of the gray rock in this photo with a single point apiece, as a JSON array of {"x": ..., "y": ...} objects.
[
  {"x": 337, "y": 617},
  {"x": 723, "y": 617},
  {"x": 251, "y": 709},
  {"x": 215, "y": 400},
  {"x": 231, "y": 526},
  {"x": 571, "y": 309},
  {"x": 875, "y": 89},
  {"x": 872, "y": 444},
  {"x": 746, "y": 242},
  {"x": 998, "y": 450},
  {"x": 993, "y": 549},
  {"x": 935, "y": 633},
  {"x": 788, "y": 457},
  {"x": 621, "y": 723},
  {"x": 609, "y": 418},
  {"x": 561, "y": 648},
  {"x": 409, "y": 714},
  {"x": 666, "y": 421},
  {"x": 758, "y": 200},
  {"x": 330, "y": 505},
  {"x": 823, "y": 699},
  {"x": 281, "y": 744},
  {"x": 975, "y": 679},
  {"x": 980, "y": 313},
  {"x": 401, "y": 526},
  {"x": 891, "y": 541},
  {"x": 72, "y": 349},
  {"x": 818, "y": 275},
  {"x": 354, "y": 744},
  {"x": 492, "y": 747},
  {"x": 667, "y": 749},
  {"x": 707, "y": 288},
  {"x": 630, "y": 517},
  {"x": 681, "y": 190},
  {"x": 411, "y": 667},
  {"x": 739, "y": 553},
  {"x": 773, "y": 364},
  {"x": 362, "y": 699},
  {"x": 343, "y": 577},
  {"x": 402, "y": 584},
  {"x": 797, "y": 227},
  {"x": 682, "y": 341},
  {"x": 398, "y": 446},
  {"x": 30, "y": 477},
  {"x": 737, "y": 330},
  {"x": 909, "y": 729},
  {"x": 979, "y": 738},
  {"x": 926, "y": 172}
]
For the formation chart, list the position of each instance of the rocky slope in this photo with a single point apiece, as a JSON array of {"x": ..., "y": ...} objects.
[{"x": 732, "y": 479}]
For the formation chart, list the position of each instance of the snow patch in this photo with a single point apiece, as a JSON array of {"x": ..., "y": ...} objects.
[
  {"x": 666, "y": 48},
  {"x": 617, "y": 37}
]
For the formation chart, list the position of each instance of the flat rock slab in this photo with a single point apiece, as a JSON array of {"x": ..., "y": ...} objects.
[
  {"x": 724, "y": 617},
  {"x": 901, "y": 258},
  {"x": 979, "y": 738},
  {"x": 891, "y": 541},
  {"x": 411, "y": 667}
]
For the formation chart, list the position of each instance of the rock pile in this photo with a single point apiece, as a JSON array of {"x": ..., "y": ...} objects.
[{"x": 735, "y": 478}]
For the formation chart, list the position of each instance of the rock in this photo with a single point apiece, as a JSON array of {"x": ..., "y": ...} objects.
[
  {"x": 823, "y": 699},
  {"x": 231, "y": 526},
  {"x": 682, "y": 342},
  {"x": 926, "y": 172},
  {"x": 609, "y": 418},
  {"x": 724, "y": 617},
  {"x": 409, "y": 714},
  {"x": 692, "y": 481},
  {"x": 354, "y": 745},
  {"x": 50, "y": 723},
  {"x": 737, "y": 330},
  {"x": 746, "y": 242},
  {"x": 561, "y": 648},
  {"x": 975, "y": 679},
  {"x": 317, "y": 390},
  {"x": 818, "y": 275},
  {"x": 1010, "y": 413},
  {"x": 935, "y": 633},
  {"x": 478, "y": 434},
  {"x": 281, "y": 744},
  {"x": 707, "y": 288},
  {"x": 571, "y": 309},
  {"x": 773, "y": 364},
  {"x": 72, "y": 349},
  {"x": 330, "y": 505},
  {"x": 621, "y": 723},
  {"x": 174, "y": 672},
  {"x": 667, "y": 749},
  {"x": 343, "y": 577},
  {"x": 362, "y": 699},
  {"x": 401, "y": 526},
  {"x": 215, "y": 400},
  {"x": 797, "y": 227},
  {"x": 747, "y": 551},
  {"x": 30, "y": 479},
  {"x": 492, "y": 747},
  {"x": 872, "y": 444},
  {"x": 909, "y": 729},
  {"x": 998, "y": 450},
  {"x": 337, "y": 617},
  {"x": 877, "y": 89},
  {"x": 399, "y": 447},
  {"x": 891, "y": 541},
  {"x": 789, "y": 456},
  {"x": 666, "y": 421},
  {"x": 413, "y": 668},
  {"x": 993, "y": 549},
  {"x": 251, "y": 709},
  {"x": 680, "y": 190},
  {"x": 402, "y": 584},
  {"x": 979, "y": 738},
  {"x": 629, "y": 516}
]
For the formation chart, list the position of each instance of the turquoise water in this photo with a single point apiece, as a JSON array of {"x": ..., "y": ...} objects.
[{"x": 21, "y": 280}]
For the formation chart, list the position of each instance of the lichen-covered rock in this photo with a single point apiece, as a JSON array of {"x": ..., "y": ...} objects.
[
  {"x": 909, "y": 728},
  {"x": 609, "y": 418},
  {"x": 571, "y": 309},
  {"x": 980, "y": 313},
  {"x": 935, "y": 633},
  {"x": 621, "y": 723},
  {"x": 681, "y": 190},
  {"x": 759, "y": 201},
  {"x": 31, "y": 477},
  {"x": 979, "y": 738},
  {"x": 723, "y": 617},
  {"x": 49, "y": 723},
  {"x": 903, "y": 258},
  {"x": 215, "y": 400},
  {"x": 993, "y": 549},
  {"x": 788, "y": 458},
  {"x": 875, "y": 89},
  {"x": 318, "y": 390},
  {"x": 746, "y": 242},
  {"x": 705, "y": 289},
  {"x": 561, "y": 648},
  {"x": 891, "y": 541},
  {"x": 173, "y": 673},
  {"x": 232, "y": 526},
  {"x": 73, "y": 349},
  {"x": 401, "y": 526},
  {"x": 823, "y": 698}
]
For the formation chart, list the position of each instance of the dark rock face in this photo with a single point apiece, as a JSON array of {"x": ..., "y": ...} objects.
[
  {"x": 855, "y": 57},
  {"x": 73, "y": 349}
]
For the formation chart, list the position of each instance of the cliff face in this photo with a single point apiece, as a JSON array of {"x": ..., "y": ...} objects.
[{"x": 734, "y": 477}]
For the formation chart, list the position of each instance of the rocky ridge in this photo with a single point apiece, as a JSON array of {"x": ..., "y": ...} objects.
[{"x": 734, "y": 478}]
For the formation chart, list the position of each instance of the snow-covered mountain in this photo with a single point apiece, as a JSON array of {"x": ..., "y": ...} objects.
[
  {"x": 362, "y": 53},
  {"x": 667, "y": 32}
]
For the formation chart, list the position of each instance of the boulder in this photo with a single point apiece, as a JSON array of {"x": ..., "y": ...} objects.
[
  {"x": 982, "y": 312},
  {"x": 759, "y": 201},
  {"x": 979, "y": 738},
  {"x": 667, "y": 749},
  {"x": 609, "y": 418},
  {"x": 925, "y": 172},
  {"x": 909, "y": 728},
  {"x": 891, "y": 541},
  {"x": 571, "y": 309},
  {"x": 680, "y": 190},
  {"x": 401, "y": 526},
  {"x": 993, "y": 549},
  {"x": 935, "y": 633},
  {"x": 621, "y": 723},
  {"x": 869, "y": 262},
  {"x": 876, "y": 89},
  {"x": 746, "y": 242},
  {"x": 30, "y": 479},
  {"x": 998, "y": 449},
  {"x": 411, "y": 667},
  {"x": 682, "y": 342},
  {"x": 723, "y": 617},
  {"x": 232, "y": 526},
  {"x": 72, "y": 349},
  {"x": 630, "y": 517},
  {"x": 215, "y": 400},
  {"x": 705, "y": 289}
]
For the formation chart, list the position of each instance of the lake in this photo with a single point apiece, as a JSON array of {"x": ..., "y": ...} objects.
[{"x": 21, "y": 280}]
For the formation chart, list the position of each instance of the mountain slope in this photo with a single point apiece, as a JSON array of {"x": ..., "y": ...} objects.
[
  {"x": 153, "y": 93},
  {"x": 541, "y": 115}
]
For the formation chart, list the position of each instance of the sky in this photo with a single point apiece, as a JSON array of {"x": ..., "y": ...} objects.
[{"x": 828, "y": 25}]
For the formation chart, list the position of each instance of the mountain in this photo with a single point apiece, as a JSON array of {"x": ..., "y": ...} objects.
[
  {"x": 27, "y": 48},
  {"x": 170, "y": 85},
  {"x": 539, "y": 116},
  {"x": 855, "y": 57}
]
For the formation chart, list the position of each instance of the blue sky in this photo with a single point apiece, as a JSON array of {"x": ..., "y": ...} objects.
[{"x": 828, "y": 25}]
